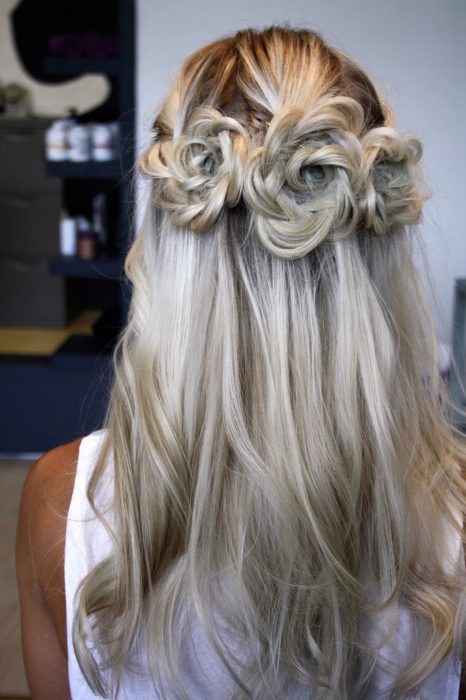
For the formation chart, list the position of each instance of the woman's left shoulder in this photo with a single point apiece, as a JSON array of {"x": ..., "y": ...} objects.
[{"x": 40, "y": 546}]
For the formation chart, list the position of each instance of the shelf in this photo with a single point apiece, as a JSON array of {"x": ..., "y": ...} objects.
[
  {"x": 91, "y": 169},
  {"x": 101, "y": 267},
  {"x": 78, "y": 66}
]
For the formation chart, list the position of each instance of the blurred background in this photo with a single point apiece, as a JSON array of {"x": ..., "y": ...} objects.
[{"x": 79, "y": 86}]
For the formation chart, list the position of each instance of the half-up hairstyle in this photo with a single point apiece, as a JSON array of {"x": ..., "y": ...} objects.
[{"x": 281, "y": 445}]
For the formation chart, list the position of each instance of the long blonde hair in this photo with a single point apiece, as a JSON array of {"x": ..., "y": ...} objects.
[{"x": 278, "y": 428}]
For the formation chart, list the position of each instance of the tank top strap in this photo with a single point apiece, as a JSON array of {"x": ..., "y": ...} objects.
[{"x": 86, "y": 542}]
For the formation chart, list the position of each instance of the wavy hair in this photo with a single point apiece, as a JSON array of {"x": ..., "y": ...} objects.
[{"x": 281, "y": 442}]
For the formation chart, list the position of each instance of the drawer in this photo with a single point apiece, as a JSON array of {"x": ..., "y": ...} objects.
[
  {"x": 30, "y": 296},
  {"x": 29, "y": 224},
  {"x": 22, "y": 165}
]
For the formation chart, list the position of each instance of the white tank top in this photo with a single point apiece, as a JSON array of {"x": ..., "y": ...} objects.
[{"x": 203, "y": 674}]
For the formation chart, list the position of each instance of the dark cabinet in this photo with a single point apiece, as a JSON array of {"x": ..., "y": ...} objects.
[
  {"x": 31, "y": 296},
  {"x": 30, "y": 203},
  {"x": 29, "y": 224},
  {"x": 22, "y": 168}
]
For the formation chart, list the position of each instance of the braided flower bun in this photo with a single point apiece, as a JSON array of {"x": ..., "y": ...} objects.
[
  {"x": 390, "y": 189},
  {"x": 313, "y": 176},
  {"x": 303, "y": 182},
  {"x": 201, "y": 172}
]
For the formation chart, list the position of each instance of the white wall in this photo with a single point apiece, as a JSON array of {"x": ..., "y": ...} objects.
[
  {"x": 82, "y": 94},
  {"x": 414, "y": 49}
]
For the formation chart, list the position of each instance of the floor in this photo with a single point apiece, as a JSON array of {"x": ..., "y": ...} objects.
[{"x": 12, "y": 678}]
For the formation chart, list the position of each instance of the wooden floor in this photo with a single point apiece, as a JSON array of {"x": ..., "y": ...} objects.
[{"x": 12, "y": 679}]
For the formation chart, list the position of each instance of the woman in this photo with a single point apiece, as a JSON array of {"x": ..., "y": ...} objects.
[{"x": 277, "y": 495}]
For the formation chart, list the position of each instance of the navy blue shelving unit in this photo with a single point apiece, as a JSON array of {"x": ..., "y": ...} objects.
[
  {"x": 102, "y": 267},
  {"x": 51, "y": 400},
  {"x": 91, "y": 170}
]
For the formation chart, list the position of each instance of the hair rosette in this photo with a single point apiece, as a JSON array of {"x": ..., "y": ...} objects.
[
  {"x": 391, "y": 180},
  {"x": 304, "y": 180},
  {"x": 199, "y": 172}
]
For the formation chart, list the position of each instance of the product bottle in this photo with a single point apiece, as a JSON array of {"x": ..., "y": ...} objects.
[
  {"x": 56, "y": 146},
  {"x": 103, "y": 143},
  {"x": 87, "y": 245},
  {"x": 79, "y": 143},
  {"x": 67, "y": 234}
]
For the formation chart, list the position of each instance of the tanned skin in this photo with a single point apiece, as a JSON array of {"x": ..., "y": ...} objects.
[{"x": 40, "y": 548}]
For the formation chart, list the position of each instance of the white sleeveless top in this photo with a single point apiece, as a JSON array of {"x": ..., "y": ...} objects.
[{"x": 203, "y": 674}]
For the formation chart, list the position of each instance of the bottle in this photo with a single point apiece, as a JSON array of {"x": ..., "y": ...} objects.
[
  {"x": 87, "y": 245},
  {"x": 67, "y": 234},
  {"x": 103, "y": 142},
  {"x": 56, "y": 144},
  {"x": 79, "y": 143}
]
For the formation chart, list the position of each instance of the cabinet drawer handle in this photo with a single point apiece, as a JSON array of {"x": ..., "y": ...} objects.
[{"x": 21, "y": 202}]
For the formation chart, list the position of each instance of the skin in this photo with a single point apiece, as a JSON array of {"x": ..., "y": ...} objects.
[{"x": 40, "y": 551}]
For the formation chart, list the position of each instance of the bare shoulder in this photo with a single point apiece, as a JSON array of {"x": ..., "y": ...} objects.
[
  {"x": 40, "y": 545},
  {"x": 44, "y": 505},
  {"x": 51, "y": 477}
]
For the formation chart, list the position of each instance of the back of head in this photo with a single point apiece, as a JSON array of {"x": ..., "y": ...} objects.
[
  {"x": 291, "y": 129},
  {"x": 275, "y": 417}
]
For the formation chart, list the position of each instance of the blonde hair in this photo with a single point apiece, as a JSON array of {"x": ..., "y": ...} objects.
[{"x": 277, "y": 425}]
